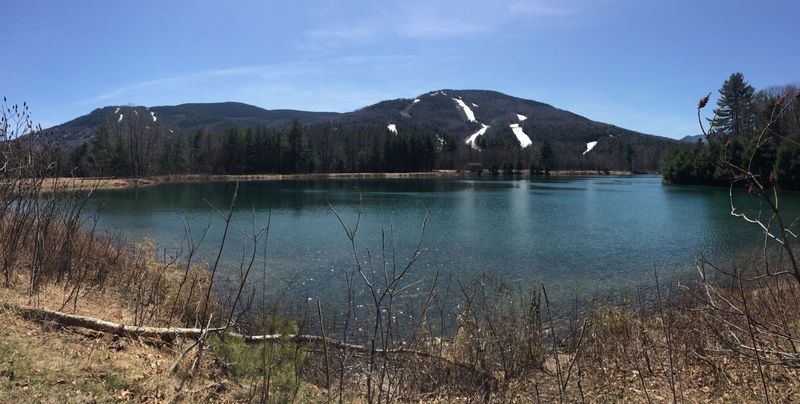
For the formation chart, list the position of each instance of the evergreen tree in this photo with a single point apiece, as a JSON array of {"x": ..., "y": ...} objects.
[
  {"x": 787, "y": 165},
  {"x": 546, "y": 156},
  {"x": 295, "y": 159},
  {"x": 735, "y": 112},
  {"x": 627, "y": 153}
]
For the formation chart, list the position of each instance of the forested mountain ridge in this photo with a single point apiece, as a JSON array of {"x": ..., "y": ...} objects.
[
  {"x": 188, "y": 117},
  {"x": 442, "y": 129}
]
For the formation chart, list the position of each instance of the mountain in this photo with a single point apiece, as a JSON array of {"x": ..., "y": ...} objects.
[
  {"x": 693, "y": 139},
  {"x": 465, "y": 112},
  {"x": 484, "y": 119},
  {"x": 185, "y": 117},
  {"x": 471, "y": 126}
]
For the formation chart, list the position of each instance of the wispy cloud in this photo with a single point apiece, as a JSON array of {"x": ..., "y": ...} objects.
[
  {"x": 540, "y": 8},
  {"x": 362, "y": 32},
  {"x": 433, "y": 27},
  {"x": 378, "y": 29},
  {"x": 422, "y": 19},
  {"x": 265, "y": 72},
  {"x": 321, "y": 83}
]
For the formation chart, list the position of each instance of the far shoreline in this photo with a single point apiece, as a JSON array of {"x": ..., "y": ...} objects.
[{"x": 67, "y": 184}]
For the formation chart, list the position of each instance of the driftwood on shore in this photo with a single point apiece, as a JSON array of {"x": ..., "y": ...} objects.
[
  {"x": 165, "y": 333},
  {"x": 95, "y": 324},
  {"x": 172, "y": 333}
]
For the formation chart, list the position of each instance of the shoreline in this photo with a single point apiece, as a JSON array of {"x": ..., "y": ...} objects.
[{"x": 111, "y": 183}]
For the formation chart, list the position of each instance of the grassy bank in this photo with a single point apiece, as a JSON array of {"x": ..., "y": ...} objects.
[
  {"x": 606, "y": 351},
  {"x": 44, "y": 361}
]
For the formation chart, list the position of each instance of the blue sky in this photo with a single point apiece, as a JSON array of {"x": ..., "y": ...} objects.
[{"x": 638, "y": 64}]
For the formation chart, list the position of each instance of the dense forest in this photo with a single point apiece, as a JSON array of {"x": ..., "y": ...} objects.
[
  {"x": 132, "y": 148},
  {"x": 128, "y": 152},
  {"x": 757, "y": 131}
]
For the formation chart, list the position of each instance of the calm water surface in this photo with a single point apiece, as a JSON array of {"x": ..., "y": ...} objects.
[{"x": 578, "y": 235}]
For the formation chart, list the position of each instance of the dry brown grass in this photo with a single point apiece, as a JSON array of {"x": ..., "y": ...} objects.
[
  {"x": 78, "y": 272},
  {"x": 43, "y": 362},
  {"x": 67, "y": 184},
  {"x": 616, "y": 352},
  {"x": 46, "y": 364}
]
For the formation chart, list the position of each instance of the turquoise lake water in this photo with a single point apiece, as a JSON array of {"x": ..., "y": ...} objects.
[{"x": 579, "y": 235}]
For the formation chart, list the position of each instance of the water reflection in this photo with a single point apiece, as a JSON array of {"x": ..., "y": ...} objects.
[{"x": 579, "y": 235}]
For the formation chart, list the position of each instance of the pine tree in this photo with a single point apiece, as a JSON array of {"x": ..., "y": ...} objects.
[
  {"x": 787, "y": 165},
  {"x": 296, "y": 161},
  {"x": 627, "y": 153},
  {"x": 735, "y": 112},
  {"x": 546, "y": 156}
]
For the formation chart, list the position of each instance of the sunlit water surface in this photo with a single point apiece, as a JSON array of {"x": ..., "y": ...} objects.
[{"x": 580, "y": 236}]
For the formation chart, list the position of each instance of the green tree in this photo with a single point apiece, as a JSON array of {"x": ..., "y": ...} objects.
[
  {"x": 787, "y": 165},
  {"x": 508, "y": 169},
  {"x": 296, "y": 161},
  {"x": 546, "y": 156},
  {"x": 627, "y": 154},
  {"x": 107, "y": 155},
  {"x": 735, "y": 112}
]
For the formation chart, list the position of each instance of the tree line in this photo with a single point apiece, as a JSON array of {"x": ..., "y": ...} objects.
[
  {"x": 138, "y": 147},
  {"x": 749, "y": 129},
  {"x": 135, "y": 150}
]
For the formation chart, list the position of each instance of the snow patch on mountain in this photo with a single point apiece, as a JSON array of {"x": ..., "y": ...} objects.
[
  {"x": 474, "y": 137},
  {"x": 522, "y": 137},
  {"x": 590, "y": 146},
  {"x": 153, "y": 114},
  {"x": 120, "y": 118},
  {"x": 467, "y": 110},
  {"x": 521, "y": 117},
  {"x": 416, "y": 100},
  {"x": 392, "y": 128},
  {"x": 116, "y": 111},
  {"x": 475, "y": 105}
]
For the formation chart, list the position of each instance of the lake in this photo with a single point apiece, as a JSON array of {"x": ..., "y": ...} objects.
[{"x": 579, "y": 235}]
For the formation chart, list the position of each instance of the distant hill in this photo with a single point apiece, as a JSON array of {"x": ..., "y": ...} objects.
[
  {"x": 481, "y": 117},
  {"x": 442, "y": 111},
  {"x": 186, "y": 117},
  {"x": 693, "y": 139},
  {"x": 510, "y": 128}
]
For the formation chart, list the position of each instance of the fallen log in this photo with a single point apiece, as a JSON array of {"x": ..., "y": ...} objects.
[
  {"x": 171, "y": 333},
  {"x": 168, "y": 333},
  {"x": 74, "y": 320}
]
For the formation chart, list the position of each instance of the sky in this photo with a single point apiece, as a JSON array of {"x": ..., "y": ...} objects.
[{"x": 638, "y": 64}]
